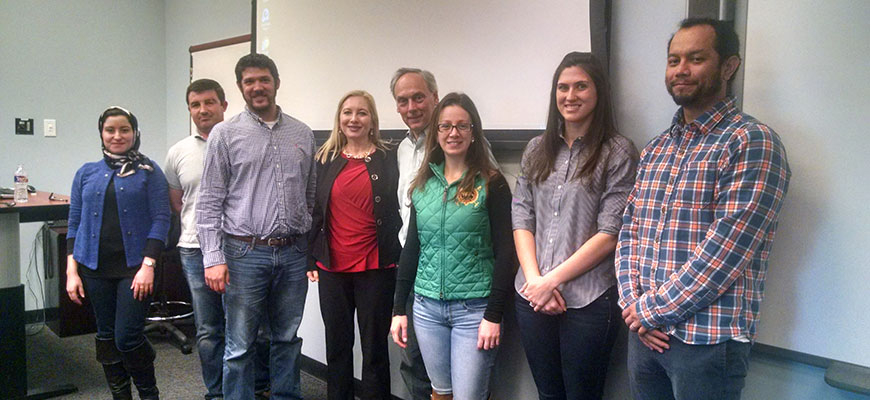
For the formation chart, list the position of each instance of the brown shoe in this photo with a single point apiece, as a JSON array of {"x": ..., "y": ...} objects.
[{"x": 436, "y": 396}]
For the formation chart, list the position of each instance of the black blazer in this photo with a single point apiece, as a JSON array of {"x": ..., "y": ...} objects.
[{"x": 383, "y": 172}]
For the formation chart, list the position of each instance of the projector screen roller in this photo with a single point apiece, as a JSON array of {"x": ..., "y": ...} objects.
[{"x": 501, "y": 53}]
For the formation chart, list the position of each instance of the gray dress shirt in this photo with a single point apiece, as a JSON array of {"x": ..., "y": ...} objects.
[
  {"x": 257, "y": 181},
  {"x": 563, "y": 213}
]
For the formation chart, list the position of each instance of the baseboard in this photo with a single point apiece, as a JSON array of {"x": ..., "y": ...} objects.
[{"x": 317, "y": 369}]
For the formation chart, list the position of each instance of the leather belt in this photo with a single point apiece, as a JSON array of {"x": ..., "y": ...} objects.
[{"x": 271, "y": 242}]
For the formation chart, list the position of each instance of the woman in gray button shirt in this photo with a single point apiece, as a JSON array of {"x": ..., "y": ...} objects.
[{"x": 567, "y": 211}]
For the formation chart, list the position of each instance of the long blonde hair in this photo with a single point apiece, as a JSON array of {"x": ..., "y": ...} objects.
[{"x": 336, "y": 141}]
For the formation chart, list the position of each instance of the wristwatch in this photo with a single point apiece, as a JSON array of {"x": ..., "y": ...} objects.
[{"x": 148, "y": 263}]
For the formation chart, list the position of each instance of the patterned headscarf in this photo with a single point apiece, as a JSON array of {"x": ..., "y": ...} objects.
[{"x": 132, "y": 160}]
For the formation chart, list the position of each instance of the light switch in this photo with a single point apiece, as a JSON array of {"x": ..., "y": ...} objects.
[{"x": 49, "y": 127}]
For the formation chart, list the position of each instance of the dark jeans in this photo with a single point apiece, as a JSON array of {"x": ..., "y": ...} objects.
[
  {"x": 119, "y": 315},
  {"x": 371, "y": 294},
  {"x": 412, "y": 368},
  {"x": 569, "y": 353},
  {"x": 264, "y": 282},
  {"x": 685, "y": 371}
]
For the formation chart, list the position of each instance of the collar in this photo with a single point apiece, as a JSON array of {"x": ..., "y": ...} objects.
[
  {"x": 438, "y": 171},
  {"x": 420, "y": 140},
  {"x": 576, "y": 141},
  {"x": 706, "y": 121},
  {"x": 260, "y": 120}
]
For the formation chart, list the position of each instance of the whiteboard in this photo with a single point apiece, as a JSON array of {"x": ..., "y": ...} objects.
[
  {"x": 501, "y": 53},
  {"x": 219, "y": 64},
  {"x": 808, "y": 76}
]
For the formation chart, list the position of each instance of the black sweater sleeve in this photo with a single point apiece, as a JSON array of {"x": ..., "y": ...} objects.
[
  {"x": 498, "y": 202},
  {"x": 408, "y": 262}
]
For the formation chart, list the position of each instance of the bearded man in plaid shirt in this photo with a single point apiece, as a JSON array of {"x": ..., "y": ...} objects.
[{"x": 698, "y": 228}]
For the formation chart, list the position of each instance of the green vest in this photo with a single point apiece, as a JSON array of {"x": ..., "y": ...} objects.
[{"x": 456, "y": 257}]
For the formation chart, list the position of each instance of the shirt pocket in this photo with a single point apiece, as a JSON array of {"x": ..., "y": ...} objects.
[{"x": 697, "y": 185}]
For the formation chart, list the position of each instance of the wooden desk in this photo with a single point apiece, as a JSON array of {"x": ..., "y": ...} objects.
[{"x": 13, "y": 369}]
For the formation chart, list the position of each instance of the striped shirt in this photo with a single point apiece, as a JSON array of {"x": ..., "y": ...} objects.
[
  {"x": 257, "y": 181},
  {"x": 563, "y": 212},
  {"x": 699, "y": 225}
]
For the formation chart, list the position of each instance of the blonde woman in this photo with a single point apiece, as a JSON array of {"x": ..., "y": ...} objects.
[{"x": 355, "y": 246}]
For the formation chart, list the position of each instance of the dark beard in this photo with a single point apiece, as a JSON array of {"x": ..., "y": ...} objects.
[{"x": 701, "y": 92}]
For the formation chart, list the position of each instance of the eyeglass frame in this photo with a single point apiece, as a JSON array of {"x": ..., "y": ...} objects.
[{"x": 449, "y": 127}]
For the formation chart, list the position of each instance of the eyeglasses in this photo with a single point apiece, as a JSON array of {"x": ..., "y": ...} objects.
[
  {"x": 52, "y": 197},
  {"x": 463, "y": 127}
]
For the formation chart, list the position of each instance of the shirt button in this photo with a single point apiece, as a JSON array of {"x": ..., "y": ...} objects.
[
  {"x": 559, "y": 187},
  {"x": 122, "y": 188},
  {"x": 556, "y": 214},
  {"x": 129, "y": 233},
  {"x": 95, "y": 214},
  {"x": 374, "y": 177},
  {"x": 380, "y": 222},
  {"x": 125, "y": 210},
  {"x": 377, "y": 199},
  {"x": 368, "y": 159},
  {"x": 551, "y": 240},
  {"x": 93, "y": 235},
  {"x": 106, "y": 175}
]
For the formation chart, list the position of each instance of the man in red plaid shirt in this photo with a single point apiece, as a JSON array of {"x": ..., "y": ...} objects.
[{"x": 698, "y": 228}]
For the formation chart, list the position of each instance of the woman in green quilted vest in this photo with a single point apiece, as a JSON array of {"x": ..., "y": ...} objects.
[
  {"x": 567, "y": 211},
  {"x": 460, "y": 275}
]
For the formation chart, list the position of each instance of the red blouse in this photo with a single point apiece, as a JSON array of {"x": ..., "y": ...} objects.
[{"x": 353, "y": 240}]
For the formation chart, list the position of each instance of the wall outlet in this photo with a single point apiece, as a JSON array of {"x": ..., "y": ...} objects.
[{"x": 49, "y": 127}]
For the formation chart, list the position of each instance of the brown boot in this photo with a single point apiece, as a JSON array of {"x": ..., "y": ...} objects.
[{"x": 436, "y": 396}]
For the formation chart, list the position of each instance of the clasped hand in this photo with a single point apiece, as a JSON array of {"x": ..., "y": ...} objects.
[
  {"x": 543, "y": 296},
  {"x": 653, "y": 339}
]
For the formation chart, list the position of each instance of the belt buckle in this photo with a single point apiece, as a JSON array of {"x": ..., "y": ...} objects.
[{"x": 276, "y": 242}]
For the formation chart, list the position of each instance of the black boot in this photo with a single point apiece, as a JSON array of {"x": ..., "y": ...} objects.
[
  {"x": 140, "y": 364},
  {"x": 113, "y": 367}
]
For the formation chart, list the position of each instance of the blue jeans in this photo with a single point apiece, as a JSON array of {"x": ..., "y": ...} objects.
[
  {"x": 265, "y": 282},
  {"x": 208, "y": 316},
  {"x": 412, "y": 368},
  {"x": 685, "y": 371},
  {"x": 118, "y": 314},
  {"x": 447, "y": 334},
  {"x": 569, "y": 353}
]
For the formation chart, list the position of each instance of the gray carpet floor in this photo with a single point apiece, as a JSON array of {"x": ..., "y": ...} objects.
[{"x": 53, "y": 361}]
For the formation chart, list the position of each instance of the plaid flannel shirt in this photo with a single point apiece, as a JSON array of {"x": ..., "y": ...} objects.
[{"x": 699, "y": 225}]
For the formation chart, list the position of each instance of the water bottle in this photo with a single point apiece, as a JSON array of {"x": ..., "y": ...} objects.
[{"x": 20, "y": 185}]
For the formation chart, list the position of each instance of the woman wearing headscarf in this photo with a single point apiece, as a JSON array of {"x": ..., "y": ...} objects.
[{"x": 118, "y": 222}]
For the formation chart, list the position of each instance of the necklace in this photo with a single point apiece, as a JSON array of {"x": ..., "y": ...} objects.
[{"x": 358, "y": 156}]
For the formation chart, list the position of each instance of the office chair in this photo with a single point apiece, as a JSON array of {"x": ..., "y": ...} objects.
[{"x": 164, "y": 313}]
